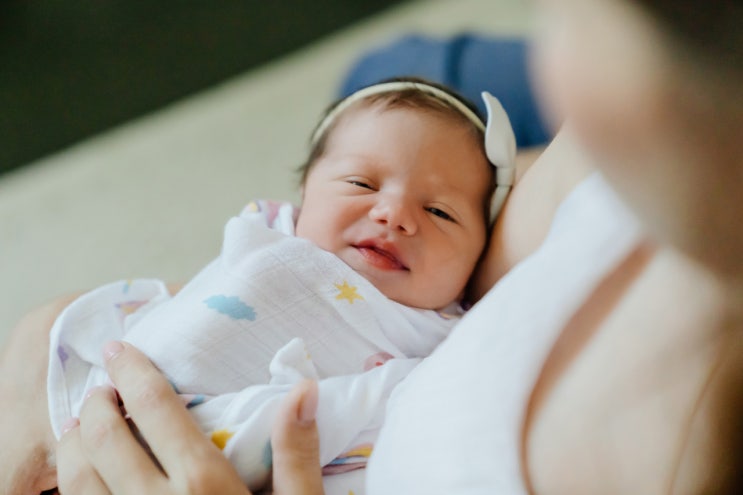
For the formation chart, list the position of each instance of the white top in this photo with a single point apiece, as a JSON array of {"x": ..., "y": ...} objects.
[{"x": 454, "y": 425}]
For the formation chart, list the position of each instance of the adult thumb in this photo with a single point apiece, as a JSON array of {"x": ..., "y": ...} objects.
[{"x": 295, "y": 444}]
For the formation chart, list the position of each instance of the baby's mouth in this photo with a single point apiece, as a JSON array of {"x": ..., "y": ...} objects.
[{"x": 380, "y": 258}]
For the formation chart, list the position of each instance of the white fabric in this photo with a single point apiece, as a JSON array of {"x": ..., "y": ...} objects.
[
  {"x": 271, "y": 310},
  {"x": 454, "y": 424}
]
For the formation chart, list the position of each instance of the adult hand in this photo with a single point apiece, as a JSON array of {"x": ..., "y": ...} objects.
[{"x": 99, "y": 454}]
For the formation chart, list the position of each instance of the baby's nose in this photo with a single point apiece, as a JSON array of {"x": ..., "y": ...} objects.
[{"x": 396, "y": 215}]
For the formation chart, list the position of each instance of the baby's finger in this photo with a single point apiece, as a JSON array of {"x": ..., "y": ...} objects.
[
  {"x": 156, "y": 410},
  {"x": 75, "y": 474},
  {"x": 113, "y": 451}
]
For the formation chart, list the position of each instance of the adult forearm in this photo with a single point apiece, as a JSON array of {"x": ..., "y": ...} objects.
[{"x": 25, "y": 432}]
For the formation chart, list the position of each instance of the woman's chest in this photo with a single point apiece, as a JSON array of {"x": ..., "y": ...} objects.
[{"x": 611, "y": 411}]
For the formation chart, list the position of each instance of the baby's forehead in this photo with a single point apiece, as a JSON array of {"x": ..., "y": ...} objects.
[
  {"x": 435, "y": 114},
  {"x": 458, "y": 132},
  {"x": 464, "y": 135}
]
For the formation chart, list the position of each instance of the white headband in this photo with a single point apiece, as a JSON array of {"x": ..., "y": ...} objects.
[
  {"x": 500, "y": 142},
  {"x": 500, "y": 146}
]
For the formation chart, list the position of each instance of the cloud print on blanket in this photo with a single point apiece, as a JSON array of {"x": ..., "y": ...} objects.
[{"x": 231, "y": 306}]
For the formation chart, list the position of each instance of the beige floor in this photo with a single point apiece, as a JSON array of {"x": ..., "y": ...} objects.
[{"x": 149, "y": 199}]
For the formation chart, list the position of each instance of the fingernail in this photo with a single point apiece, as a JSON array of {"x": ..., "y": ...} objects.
[
  {"x": 70, "y": 424},
  {"x": 112, "y": 349},
  {"x": 308, "y": 407}
]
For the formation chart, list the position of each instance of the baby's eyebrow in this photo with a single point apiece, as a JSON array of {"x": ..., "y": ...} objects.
[{"x": 449, "y": 191}]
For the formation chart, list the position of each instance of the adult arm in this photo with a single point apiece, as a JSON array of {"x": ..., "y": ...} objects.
[
  {"x": 25, "y": 432},
  {"x": 100, "y": 454}
]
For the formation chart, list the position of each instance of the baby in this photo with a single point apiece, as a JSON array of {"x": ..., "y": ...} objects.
[{"x": 352, "y": 290}]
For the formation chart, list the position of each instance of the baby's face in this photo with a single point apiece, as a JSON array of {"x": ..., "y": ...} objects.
[{"x": 399, "y": 196}]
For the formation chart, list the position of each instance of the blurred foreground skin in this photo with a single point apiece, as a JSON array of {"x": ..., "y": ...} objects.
[{"x": 652, "y": 361}]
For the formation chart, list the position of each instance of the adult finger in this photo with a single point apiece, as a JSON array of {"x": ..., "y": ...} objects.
[
  {"x": 154, "y": 407},
  {"x": 75, "y": 475},
  {"x": 295, "y": 444},
  {"x": 112, "y": 449}
]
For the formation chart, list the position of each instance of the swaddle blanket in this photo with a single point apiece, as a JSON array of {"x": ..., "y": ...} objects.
[{"x": 271, "y": 310}]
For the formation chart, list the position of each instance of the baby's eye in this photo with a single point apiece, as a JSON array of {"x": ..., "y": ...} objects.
[
  {"x": 360, "y": 184},
  {"x": 440, "y": 213}
]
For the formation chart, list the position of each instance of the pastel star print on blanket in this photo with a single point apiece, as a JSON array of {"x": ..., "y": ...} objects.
[{"x": 347, "y": 292}]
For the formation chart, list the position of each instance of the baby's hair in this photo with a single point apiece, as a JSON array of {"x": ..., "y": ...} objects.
[{"x": 413, "y": 93}]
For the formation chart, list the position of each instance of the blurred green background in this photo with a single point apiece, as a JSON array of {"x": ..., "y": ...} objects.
[{"x": 72, "y": 68}]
